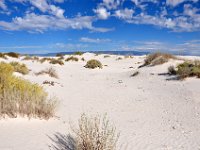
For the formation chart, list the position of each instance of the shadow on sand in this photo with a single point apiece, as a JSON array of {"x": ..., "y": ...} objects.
[
  {"x": 169, "y": 77},
  {"x": 62, "y": 142}
]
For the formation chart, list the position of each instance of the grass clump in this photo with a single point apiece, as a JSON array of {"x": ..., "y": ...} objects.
[
  {"x": 78, "y": 53},
  {"x": 157, "y": 59},
  {"x": 72, "y": 58},
  {"x": 21, "y": 97},
  {"x": 13, "y": 54},
  {"x": 95, "y": 133},
  {"x": 2, "y": 55},
  {"x": 93, "y": 63},
  {"x": 56, "y": 61},
  {"x": 50, "y": 71},
  {"x": 186, "y": 69},
  {"x": 27, "y": 58},
  {"x": 59, "y": 55},
  {"x": 21, "y": 68},
  {"x": 106, "y": 56}
]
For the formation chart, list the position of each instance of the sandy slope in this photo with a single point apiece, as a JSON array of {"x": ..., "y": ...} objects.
[{"x": 150, "y": 112}]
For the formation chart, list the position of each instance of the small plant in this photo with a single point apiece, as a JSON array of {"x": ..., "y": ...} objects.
[
  {"x": 78, "y": 53},
  {"x": 61, "y": 58},
  {"x": 72, "y": 58},
  {"x": 21, "y": 68},
  {"x": 128, "y": 56},
  {"x": 3, "y": 56},
  {"x": 106, "y": 56},
  {"x": 93, "y": 63},
  {"x": 119, "y": 58},
  {"x": 135, "y": 74},
  {"x": 83, "y": 59},
  {"x": 50, "y": 71},
  {"x": 13, "y": 54},
  {"x": 27, "y": 57},
  {"x": 171, "y": 70},
  {"x": 95, "y": 133},
  {"x": 56, "y": 61},
  {"x": 186, "y": 69},
  {"x": 42, "y": 60},
  {"x": 59, "y": 55},
  {"x": 21, "y": 97},
  {"x": 157, "y": 59}
]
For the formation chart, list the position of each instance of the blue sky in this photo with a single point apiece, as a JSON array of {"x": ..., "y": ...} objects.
[{"x": 43, "y": 26}]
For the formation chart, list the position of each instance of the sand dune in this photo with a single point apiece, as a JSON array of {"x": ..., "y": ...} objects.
[{"x": 150, "y": 112}]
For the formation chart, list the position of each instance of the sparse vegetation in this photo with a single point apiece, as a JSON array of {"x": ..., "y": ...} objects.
[
  {"x": 119, "y": 58},
  {"x": 78, "y": 53},
  {"x": 157, "y": 59},
  {"x": 21, "y": 68},
  {"x": 3, "y": 56},
  {"x": 106, "y": 56},
  {"x": 27, "y": 57},
  {"x": 95, "y": 134},
  {"x": 50, "y": 71},
  {"x": 135, "y": 74},
  {"x": 83, "y": 59},
  {"x": 186, "y": 69},
  {"x": 42, "y": 60},
  {"x": 21, "y": 97},
  {"x": 93, "y": 63},
  {"x": 128, "y": 56},
  {"x": 13, "y": 54},
  {"x": 72, "y": 58},
  {"x": 59, "y": 55},
  {"x": 56, "y": 61}
]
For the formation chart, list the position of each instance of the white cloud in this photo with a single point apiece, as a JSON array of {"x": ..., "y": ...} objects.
[
  {"x": 91, "y": 40},
  {"x": 177, "y": 2},
  {"x": 3, "y": 5},
  {"x": 102, "y": 13},
  {"x": 124, "y": 14},
  {"x": 40, "y": 23},
  {"x": 57, "y": 11},
  {"x": 59, "y": 1}
]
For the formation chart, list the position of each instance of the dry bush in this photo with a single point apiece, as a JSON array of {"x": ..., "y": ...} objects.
[
  {"x": 21, "y": 68},
  {"x": 135, "y": 74},
  {"x": 27, "y": 58},
  {"x": 59, "y": 55},
  {"x": 56, "y": 61},
  {"x": 119, "y": 58},
  {"x": 50, "y": 71},
  {"x": 106, "y": 56},
  {"x": 72, "y": 58},
  {"x": 171, "y": 70},
  {"x": 83, "y": 59},
  {"x": 21, "y": 97},
  {"x": 157, "y": 59},
  {"x": 78, "y": 53},
  {"x": 128, "y": 56},
  {"x": 13, "y": 54},
  {"x": 42, "y": 60},
  {"x": 186, "y": 69},
  {"x": 93, "y": 63},
  {"x": 3, "y": 56},
  {"x": 95, "y": 134}
]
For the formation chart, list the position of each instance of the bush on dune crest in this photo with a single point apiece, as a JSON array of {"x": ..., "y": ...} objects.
[
  {"x": 56, "y": 61},
  {"x": 72, "y": 58},
  {"x": 157, "y": 59},
  {"x": 13, "y": 54},
  {"x": 93, "y": 63},
  {"x": 95, "y": 133},
  {"x": 21, "y": 68},
  {"x": 3, "y": 56},
  {"x": 21, "y": 97}
]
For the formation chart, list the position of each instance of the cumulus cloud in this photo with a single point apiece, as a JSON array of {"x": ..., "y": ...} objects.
[
  {"x": 102, "y": 13},
  {"x": 3, "y": 5},
  {"x": 124, "y": 14},
  {"x": 92, "y": 40}
]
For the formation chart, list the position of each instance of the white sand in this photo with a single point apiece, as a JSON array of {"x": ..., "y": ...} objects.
[{"x": 150, "y": 112}]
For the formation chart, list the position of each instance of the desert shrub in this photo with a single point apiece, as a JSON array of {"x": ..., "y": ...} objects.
[
  {"x": 27, "y": 58},
  {"x": 56, "y": 61},
  {"x": 59, "y": 55},
  {"x": 21, "y": 68},
  {"x": 35, "y": 58},
  {"x": 106, "y": 56},
  {"x": 21, "y": 97},
  {"x": 42, "y": 60},
  {"x": 135, "y": 74},
  {"x": 187, "y": 69},
  {"x": 61, "y": 58},
  {"x": 128, "y": 56},
  {"x": 72, "y": 58},
  {"x": 93, "y": 63},
  {"x": 13, "y": 54},
  {"x": 50, "y": 71},
  {"x": 119, "y": 58},
  {"x": 78, "y": 53},
  {"x": 83, "y": 59},
  {"x": 157, "y": 58},
  {"x": 3, "y": 56},
  {"x": 171, "y": 70},
  {"x": 95, "y": 134}
]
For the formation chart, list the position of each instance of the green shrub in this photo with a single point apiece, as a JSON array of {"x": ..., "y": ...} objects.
[
  {"x": 72, "y": 58},
  {"x": 186, "y": 69},
  {"x": 56, "y": 61},
  {"x": 157, "y": 59},
  {"x": 13, "y": 54},
  {"x": 59, "y": 55},
  {"x": 20, "y": 97},
  {"x": 78, "y": 53},
  {"x": 95, "y": 133},
  {"x": 171, "y": 70},
  {"x": 21, "y": 68},
  {"x": 93, "y": 63}
]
